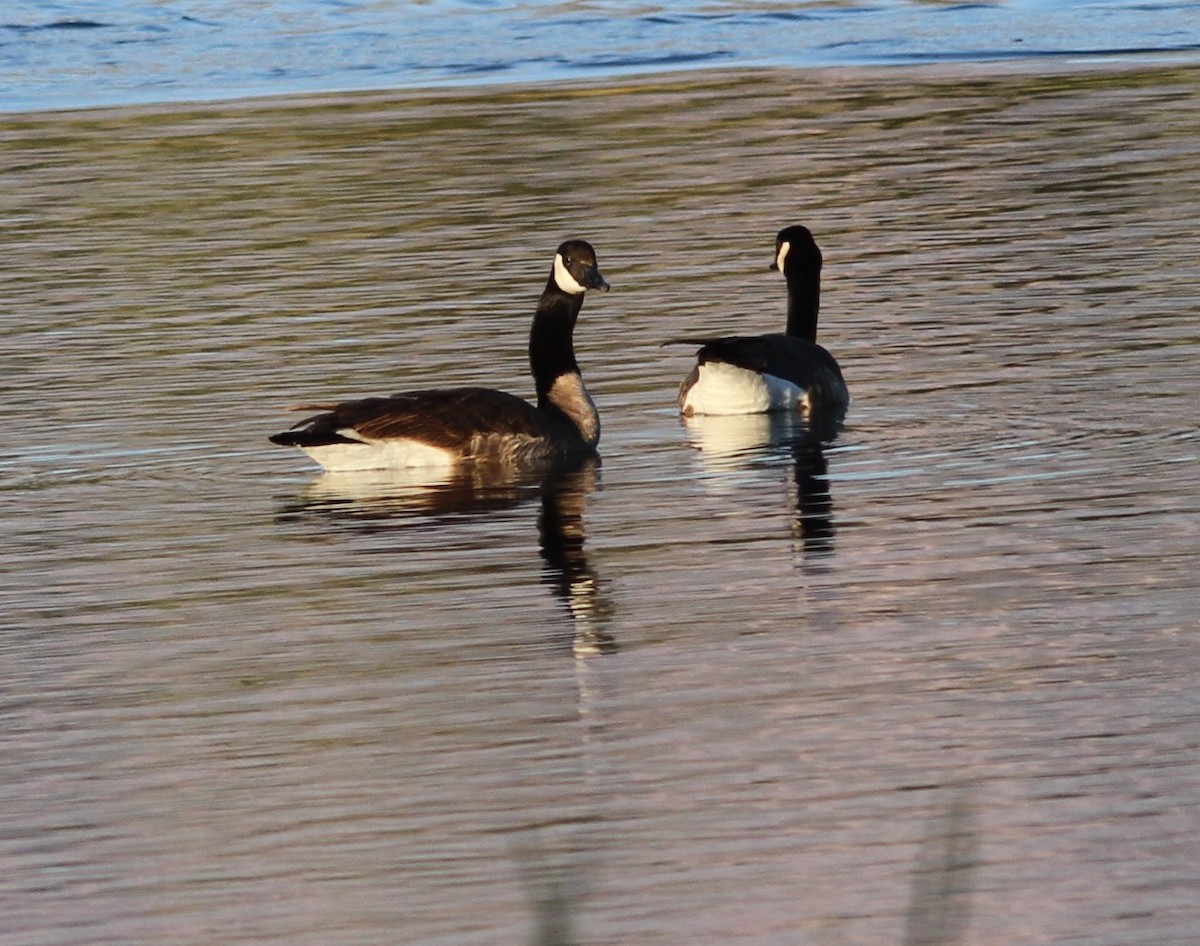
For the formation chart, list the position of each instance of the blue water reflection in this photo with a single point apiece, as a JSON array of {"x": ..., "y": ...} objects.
[{"x": 53, "y": 57}]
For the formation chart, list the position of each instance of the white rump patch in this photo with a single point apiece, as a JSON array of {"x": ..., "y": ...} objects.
[
  {"x": 723, "y": 388},
  {"x": 781, "y": 256},
  {"x": 563, "y": 278},
  {"x": 397, "y": 454}
]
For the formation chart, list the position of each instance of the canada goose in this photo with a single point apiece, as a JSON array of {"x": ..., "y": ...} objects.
[
  {"x": 444, "y": 427},
  {"x": 754, "y": 374}
]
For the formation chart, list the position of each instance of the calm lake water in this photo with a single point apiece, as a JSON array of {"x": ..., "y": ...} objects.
[
  {"x": 56, "y": 54},
  {"x": 933, "y": 682}
]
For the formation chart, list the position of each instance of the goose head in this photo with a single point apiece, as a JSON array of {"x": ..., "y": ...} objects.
[
  {"x": 796, "y": 251},
  {"x": 575, "y": 269}
]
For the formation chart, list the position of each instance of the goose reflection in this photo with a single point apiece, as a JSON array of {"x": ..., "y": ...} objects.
[
  {"x": 561, "y": 536},
  {"x": 382, "y": 500},
  {"x": 729, "y": 445}
]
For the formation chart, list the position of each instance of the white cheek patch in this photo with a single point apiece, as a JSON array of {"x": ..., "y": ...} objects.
[
  {"x": 782, "y": 255},
  {"x": 563, "y": 278}
]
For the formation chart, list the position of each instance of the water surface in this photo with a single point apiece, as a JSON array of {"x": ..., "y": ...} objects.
[
  {"x": 727, "y": 687},
  {"x": 65, "y": 55}
]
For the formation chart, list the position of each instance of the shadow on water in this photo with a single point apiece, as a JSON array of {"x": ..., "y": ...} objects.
[
  {"x": 731, "y": 444},
  {"x": 379, "y": 501},
  {"x": 939, "y": 902},
  {"x": 555, "y": 888}
]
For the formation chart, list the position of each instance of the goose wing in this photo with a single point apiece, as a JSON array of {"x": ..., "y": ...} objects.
[
  {"x": 783, "y": 356},
  {"x": 447, "y": 418}
]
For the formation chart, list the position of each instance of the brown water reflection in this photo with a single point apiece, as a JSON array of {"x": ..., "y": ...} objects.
[{"x": 727, "y": 688}]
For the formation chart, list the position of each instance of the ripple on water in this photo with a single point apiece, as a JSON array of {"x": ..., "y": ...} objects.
[{"x": 731, "y": 686}]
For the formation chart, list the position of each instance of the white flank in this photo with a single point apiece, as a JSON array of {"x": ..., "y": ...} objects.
[
  {"x": 784, "y": 247},
  {"x": 727, "y": 389},
  {"x": 562, "y": 276},
  {"x": 396, "y": 454}
]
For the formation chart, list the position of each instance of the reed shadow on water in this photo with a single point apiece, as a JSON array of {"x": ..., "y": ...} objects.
[
  {"x": 939, "y": 904},
  {"x": 939, "y": 896}
]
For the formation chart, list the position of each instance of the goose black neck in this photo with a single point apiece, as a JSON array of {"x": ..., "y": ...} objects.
[
  {"x": 804, "y": 299},
  {"x": 551, "y": 346}
]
